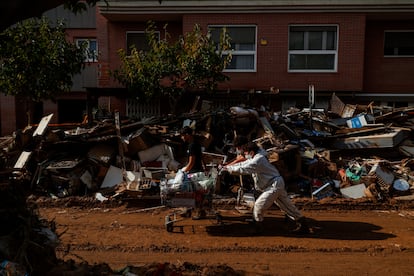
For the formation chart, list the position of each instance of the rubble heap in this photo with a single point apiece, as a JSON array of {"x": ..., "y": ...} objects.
[
  {"x": 348, "y": 151},
  {"x": 343, "y": 147}
]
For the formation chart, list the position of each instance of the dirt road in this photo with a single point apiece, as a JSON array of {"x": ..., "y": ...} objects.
[{"x": 342, "y": 242}]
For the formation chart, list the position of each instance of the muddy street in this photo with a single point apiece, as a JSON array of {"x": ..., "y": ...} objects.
[{"x": 342, "y": 242}]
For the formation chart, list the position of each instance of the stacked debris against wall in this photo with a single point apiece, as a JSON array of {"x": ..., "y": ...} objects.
[{"x": 339, "y": 152}]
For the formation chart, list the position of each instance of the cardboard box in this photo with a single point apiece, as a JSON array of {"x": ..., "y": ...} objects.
[{"x": 357, "y": 122}]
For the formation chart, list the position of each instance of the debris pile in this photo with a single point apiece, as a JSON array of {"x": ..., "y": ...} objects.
[{"x": 348, "y": 151}]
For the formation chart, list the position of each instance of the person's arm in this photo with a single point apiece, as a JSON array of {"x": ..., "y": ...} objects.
[
  {"x": 190, "y": 164},
  {"x": 243, "y": 167},
  {"x": 239, "y": 158}
]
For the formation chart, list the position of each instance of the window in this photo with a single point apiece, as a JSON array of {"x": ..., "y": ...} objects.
[
  {"x": 243, "y": 44},
  {"x": 91, "y": 48},
  {"x": 139, "y": 40},
  {"x": 399, "y": 43},
  {"x": 313, "y": 48}
]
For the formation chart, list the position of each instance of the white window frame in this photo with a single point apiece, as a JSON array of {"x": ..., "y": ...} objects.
[
  {"x": 89, "y": 57},
  {"x": 138, "y": 32},
  {"x": 315, "y": 52},
  {"x": 397, "y": 55},
  {"x": 241, "y": 52}
]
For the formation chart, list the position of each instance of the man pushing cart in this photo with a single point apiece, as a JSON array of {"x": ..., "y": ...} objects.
[{"x": 267, "y": 181}]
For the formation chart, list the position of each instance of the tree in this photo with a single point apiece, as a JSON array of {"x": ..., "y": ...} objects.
[
  {"x": 192, "y": 63},
  {"x": 202, "y": 62},
  {"x": 36, "y": 60}
]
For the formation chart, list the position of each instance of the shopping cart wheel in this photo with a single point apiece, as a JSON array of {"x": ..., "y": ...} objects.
[
  {"x": 169, "y": 226},
  {"x": 188, "y": 213},
  {"x": 219, "y": 218}
]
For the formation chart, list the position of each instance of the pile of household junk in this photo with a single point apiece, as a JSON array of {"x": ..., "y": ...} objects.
[{"x": 348, "y": 151}]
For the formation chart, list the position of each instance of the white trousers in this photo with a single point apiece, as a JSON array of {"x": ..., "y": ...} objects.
[{"x": 277, "y": 194}]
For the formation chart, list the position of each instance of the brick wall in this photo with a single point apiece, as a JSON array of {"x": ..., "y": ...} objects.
[
  {"x": 51, "y": 107},
  {"x": 361, "y": 65},
  {"x": 112, "y": 37},
  {"x": 272, "y": 58},
  {"x": 386, "y": 74},
  {"x": 104, "y": 40},
  {"x": 7, "y": 114}
]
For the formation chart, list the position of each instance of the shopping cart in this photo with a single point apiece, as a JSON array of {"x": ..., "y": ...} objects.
[
  {"x": 201, "y": 200},
  {"x": 195, "y": 195},
  {"x": 194, "y": 192}
]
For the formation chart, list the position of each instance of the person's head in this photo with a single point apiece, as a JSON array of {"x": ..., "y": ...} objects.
[
  {"x": 239, "y": 142},
  {"x": 186, "y": 133},
  {"x": 250, "y": 149}
]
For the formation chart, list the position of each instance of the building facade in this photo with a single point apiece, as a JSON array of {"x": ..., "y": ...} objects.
[{"x": 360, "y": 50}]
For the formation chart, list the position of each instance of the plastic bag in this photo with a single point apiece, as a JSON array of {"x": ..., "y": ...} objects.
[{"x": 180, "y": 182}]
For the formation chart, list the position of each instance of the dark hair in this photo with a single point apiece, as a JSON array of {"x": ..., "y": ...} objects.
[
  {"x": 186, "y": 130},
  {"x": 251, "y": 146},
  {"x": 240, "y": 141}
]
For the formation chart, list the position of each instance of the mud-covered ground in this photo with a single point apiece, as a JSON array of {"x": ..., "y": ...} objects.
[{"x": 348, "y": 238}]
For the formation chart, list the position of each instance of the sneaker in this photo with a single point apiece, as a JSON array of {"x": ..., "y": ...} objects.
[
  {"x": 288, "y": 219},
  {"x": 200, "y": 214},
  {"x": 301, "y": 227},
  {"x": 258, "y": 227},
  {"x": 250, "y": 220}
]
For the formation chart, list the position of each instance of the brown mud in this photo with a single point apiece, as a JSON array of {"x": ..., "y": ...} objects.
[{"x": 347, "y": 238}]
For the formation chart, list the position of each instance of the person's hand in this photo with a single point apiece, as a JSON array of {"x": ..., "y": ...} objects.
[
  {"x": 181, "y": 171},
  {"x": 222, "y": 169}
]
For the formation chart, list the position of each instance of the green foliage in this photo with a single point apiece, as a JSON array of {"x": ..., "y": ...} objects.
[
  {"x": 36, "y": 60},
  {"x": 78, "y": 6},
  {"x": 202, "y": 62},
  {"x": 193, "y": 62}
]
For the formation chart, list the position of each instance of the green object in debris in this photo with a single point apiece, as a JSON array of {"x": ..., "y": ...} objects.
[{"x": 354, "y": 173}]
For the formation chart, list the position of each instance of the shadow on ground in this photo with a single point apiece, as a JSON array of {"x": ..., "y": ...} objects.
[{"x": 337, "y": 230}]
